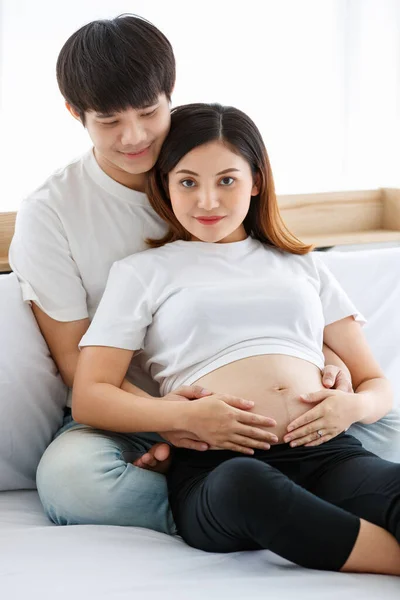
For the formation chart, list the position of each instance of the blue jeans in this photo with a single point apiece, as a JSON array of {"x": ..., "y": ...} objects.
[
  {"x": 86, "y": 476},
  {"x": 382, "y": 437}
]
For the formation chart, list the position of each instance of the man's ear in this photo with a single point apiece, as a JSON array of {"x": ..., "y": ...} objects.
[
  {"x": 170, "y": 96},
  {"x": 73, "y": 112},
  {"x": 255, "y": 190}
]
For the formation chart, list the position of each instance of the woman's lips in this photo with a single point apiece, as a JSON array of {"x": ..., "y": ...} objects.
[{"x": 209, "y": 220}]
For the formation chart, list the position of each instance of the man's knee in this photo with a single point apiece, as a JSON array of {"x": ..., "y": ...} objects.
[
  {"x": 83, "y": 478},
  {"x": 73, "y": 476},
  {"x": 382, "y": 437}
]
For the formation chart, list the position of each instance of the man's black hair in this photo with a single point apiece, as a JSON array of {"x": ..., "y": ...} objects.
[{"x": 110, "y": 65}]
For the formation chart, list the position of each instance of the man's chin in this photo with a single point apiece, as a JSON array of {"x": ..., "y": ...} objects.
[{"x": 136, "y": 167}]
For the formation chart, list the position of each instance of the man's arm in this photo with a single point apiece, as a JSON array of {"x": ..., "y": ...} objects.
[
  {"x": 62, "y": 339},
  {"x": 339, "y": 378}
]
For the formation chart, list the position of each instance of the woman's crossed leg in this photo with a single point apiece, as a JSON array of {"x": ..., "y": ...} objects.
[{"x": 347, "y": 519}]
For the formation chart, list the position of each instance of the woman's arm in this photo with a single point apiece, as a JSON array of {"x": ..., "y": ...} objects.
[
  {"x": 99, "y": 401},
  {"x": 218, "y": 420},
  {"x": 63, "y": 338},
  {"x": 117, "y": 404},
  {"x": 334, "y": 410}
]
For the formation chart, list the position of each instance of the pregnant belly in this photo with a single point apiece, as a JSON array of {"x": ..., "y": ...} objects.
[{"x": 274, "y": 382}]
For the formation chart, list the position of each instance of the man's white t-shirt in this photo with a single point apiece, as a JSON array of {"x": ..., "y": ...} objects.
[
  {"x": 192, "y": 307},
  {"x": 70, "y": 231}
]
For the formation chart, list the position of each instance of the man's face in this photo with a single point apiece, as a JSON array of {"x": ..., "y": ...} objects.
[{"x": 127, "y": 143}]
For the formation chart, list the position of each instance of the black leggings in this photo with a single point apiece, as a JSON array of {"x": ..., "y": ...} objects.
[{"x": 304, "y": 504}]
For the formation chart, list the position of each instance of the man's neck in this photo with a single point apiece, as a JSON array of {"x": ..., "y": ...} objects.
[{"x": 132, "y": 181}]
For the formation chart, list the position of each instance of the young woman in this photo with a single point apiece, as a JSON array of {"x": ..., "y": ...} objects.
[{"x": 229, "y": 300}]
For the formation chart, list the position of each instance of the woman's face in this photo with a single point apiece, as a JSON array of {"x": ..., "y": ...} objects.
[{"x": 210, "y": 190}]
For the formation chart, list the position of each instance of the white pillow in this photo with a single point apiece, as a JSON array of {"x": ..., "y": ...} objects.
[
  {"x": 32, "y": 394},
  {"x": 372, "y": 280}
]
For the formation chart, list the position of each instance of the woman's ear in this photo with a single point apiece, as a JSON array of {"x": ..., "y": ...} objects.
[{"x": 255, "y": 190}]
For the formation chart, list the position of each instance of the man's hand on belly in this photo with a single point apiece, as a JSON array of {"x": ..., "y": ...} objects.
[{"x": 336, "y": 378}]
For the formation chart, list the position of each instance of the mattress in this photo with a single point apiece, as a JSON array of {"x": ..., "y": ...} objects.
[{"x": 41, "y": 561}]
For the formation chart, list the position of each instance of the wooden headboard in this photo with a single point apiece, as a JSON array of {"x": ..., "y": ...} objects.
[
  {"x": 7, "y": 223},
  {"x": 328, "y": 219},
  {"x": 337, "y": 218}
]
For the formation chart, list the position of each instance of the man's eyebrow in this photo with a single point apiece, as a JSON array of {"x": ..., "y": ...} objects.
[
  {"x": 219, "y": 173},
  {"x": 112, "y": 114},
  {"x": 105, "y": 115},
  {"x": 148, "y": 104}
]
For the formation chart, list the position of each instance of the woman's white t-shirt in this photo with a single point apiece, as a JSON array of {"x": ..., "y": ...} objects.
[{"x": 192, "y": 307}]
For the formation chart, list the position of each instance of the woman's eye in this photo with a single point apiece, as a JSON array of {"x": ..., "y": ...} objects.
[
  {"x": 188, "y": 183},
  {"x": 227, "y": 181}
]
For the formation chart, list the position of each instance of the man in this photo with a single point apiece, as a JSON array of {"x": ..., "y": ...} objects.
[{"x": 117, "y": 78}]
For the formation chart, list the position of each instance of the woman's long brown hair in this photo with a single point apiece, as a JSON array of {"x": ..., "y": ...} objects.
[{"x": 195, "y": 124}]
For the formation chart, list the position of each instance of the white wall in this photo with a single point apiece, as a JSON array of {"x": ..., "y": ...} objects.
[
  {"x": 372, "y": 143},
  {"x": 285, "y": 62}
]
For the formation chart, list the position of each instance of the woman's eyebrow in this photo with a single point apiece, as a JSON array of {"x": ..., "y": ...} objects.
[
  {"x": 187, "y": 171},
  {"x": 219, "y": 173},
  {"x": 227, "y": 171}
]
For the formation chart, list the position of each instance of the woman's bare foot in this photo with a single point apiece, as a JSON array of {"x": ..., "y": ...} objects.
[{"x": 158, "y": 458}]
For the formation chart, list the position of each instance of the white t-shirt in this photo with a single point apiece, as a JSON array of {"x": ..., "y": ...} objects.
[
  {"x": 70, "y": 231},
  {"x": 192, "y": 307}
]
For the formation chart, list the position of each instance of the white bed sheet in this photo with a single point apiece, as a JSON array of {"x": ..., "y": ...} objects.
[{"x": 39, "y": 561}]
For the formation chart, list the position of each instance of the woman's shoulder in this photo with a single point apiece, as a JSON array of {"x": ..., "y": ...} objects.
[
  {"x": 301, "y": 264},
  {"x": 153, "y": 262},
  {"x": 290, "y": 257}
]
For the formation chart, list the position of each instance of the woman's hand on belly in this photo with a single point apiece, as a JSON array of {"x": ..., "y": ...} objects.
[
  {"x": 274, "y": 383},
  {"x": 334, "y": 413},
  {"x": 225, "y": 422}
]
